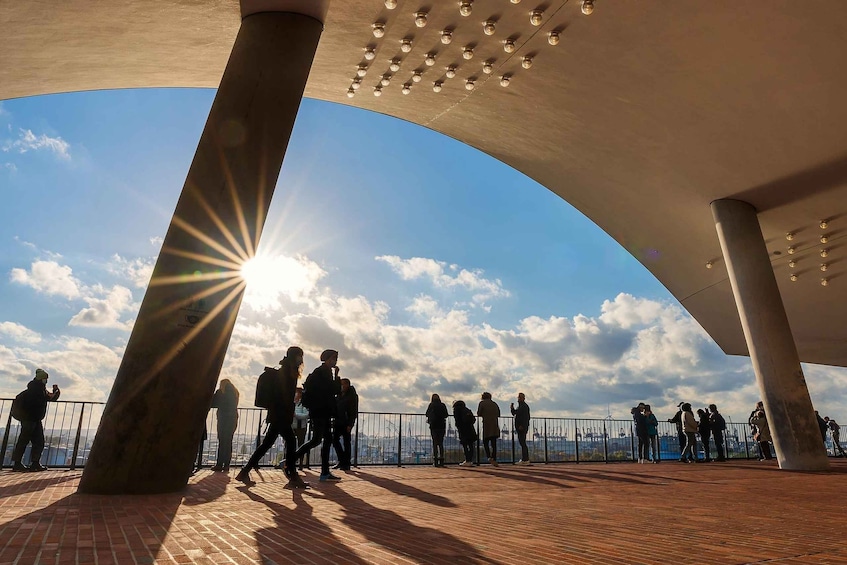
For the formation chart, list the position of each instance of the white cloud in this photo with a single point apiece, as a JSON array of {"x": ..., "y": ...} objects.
[
  {"x": 49, "y": 278},
  {"x": 10, "y": 167},
  {"x": 105, "y": 312},
  {"x": 28, "y": 141},
  {"x": 138, "y": 270},
  {"x": 19, "y": 332},
  {"x": 436, "y": 272},
  {"x": 157, "y": 241}
]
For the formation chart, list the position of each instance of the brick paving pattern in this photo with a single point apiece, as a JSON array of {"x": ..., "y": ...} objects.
[{"x": 745, "y": 512}]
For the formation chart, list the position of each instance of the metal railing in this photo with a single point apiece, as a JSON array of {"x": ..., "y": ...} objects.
[{"x": 380, "y": 438}]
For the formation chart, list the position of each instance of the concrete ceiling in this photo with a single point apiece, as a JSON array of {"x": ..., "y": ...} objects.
[{"x": 642, "y": 115}]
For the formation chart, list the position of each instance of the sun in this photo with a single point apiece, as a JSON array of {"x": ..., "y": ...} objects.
[{"x": 271, "y": 277}]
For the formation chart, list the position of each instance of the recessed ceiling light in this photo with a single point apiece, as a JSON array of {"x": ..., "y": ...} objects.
[
  {"x": 416, "y": 76},
  {"x": 395, "y": 65},
  {"x": 362, "y": 70},
  {"x": 467, "y": 52},
  {"x": 377, "y": 91},
  {"x": 357, "y": 82},
  {"x": 385, "y": 80},
  {"x": 378, "y": 29},
  {"x": 824, "y": 252},
  {"x": 587, "y": 7},
  {"x": 446, "y": 36},
  {"x": 466, "y": 7},
  {"x": 420, "y": 19},
  {"x": 390, "y": 4},
  {"x": 488, "y": 27},
  {"x": 487, "y": 67},
  {"x": 789, "y": 236},
  {"x": 553, "y": 38},
  {"x": 436, "y": 86},
  {"x": 370, "y": 53},
  {"x": 509, "y": 46},
  {"x": 526, "y": 62},
  {"x": 536, "y": 17},
  {"x": 469, "y": 85},
  {"x": 824, "y": 282},
  {"x": 351, "y": 93},
  {"x": 430, "y": 59},
  {"x": 504, "y": 81},
  {"x": 405, "y": 45},
  {"x": 451, "y": 72},
  {"x": 407, "y": 88}
]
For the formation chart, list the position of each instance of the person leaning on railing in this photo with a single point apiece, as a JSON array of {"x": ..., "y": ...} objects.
[
  {"x": 521, "y": 414},
  {"x": 33, "y": 409}
]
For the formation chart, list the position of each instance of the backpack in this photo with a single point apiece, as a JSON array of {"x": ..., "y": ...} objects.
[
  {"x": 18, "y": 409},
  {"x": 307, "y": 399},
  {"x": 266, "y": 388}
]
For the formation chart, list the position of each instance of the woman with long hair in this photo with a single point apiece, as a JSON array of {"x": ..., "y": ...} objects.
[
  {"x": 436, "y": 417},
  {"x": 226, "y": 401}
]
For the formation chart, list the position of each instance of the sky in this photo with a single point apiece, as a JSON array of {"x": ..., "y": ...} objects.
[{"x": 429, "y": 265}]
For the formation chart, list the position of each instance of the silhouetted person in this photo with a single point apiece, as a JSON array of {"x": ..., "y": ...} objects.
[
  {"x": 226, "y": 401},
  {"x": 680, "y": 433},
  {"x": 704, "y": 427},
  {"x": 436, "y": 417},
  {"x": 521, "y": 414},
  {"x": 300, "y": 424},
  {"x": 319, "y": 392},
  {"x": 347, "y": 410},
  {"x": 490, "y": 414},
  {"x": 279, "y": 418},
  {"x": 760, "y": 407},
  {"x": 689, "y": 426},
  {"x": 33, "y": 409},
  {"x": 823, "y": 426},
  {"x": 641, "y": 432},
  {"x": 718, "y": 431},
  {"x": 835, "y": 431},
  {"x": 465, "y": 421}
]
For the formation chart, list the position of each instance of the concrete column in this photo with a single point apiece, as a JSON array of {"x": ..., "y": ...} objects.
[
  {"x": 775, "y": 360},
  {"x": 154, "y": 419}
]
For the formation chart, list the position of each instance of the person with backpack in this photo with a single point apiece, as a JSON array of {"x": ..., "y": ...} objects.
[
  {"x": 436, "y": 417},
  {"x": 347, "y": 410},
  {"x": 835, "y": 432},
  {"x": 319, "y": 392},
  {"x": 30, "y": 407},
  {"x": 275, "y": 392},
  {"x": 465, "y": 421}
]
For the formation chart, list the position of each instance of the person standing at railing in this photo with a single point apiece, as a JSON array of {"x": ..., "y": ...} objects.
[
  {"x": 680, "y": 433},
  {"x": 689, "y": 426},
  {"x": 641, "y": 432},
  {"x": 835, "y": 432},
  {"x": 436, "y": 417},
  {"x": 718, "y": 425},
  {"x": 347, "y": 410},
  {"x": 704, "y": 428},
  {"x": 761, "y": 434},
  {"x": 279, "y": 418},
  {"x": 652, "y": 432},
  {"x": 522, "y": 416},
  {"x": 465, "y": 421},
  {"x": 33, "y": 408},
  {"x": 490, "y": 414},
  {"x": 226, "y": 401},
  {"x": 319, "y": 392},
  {"x": 823, "y": 426}
]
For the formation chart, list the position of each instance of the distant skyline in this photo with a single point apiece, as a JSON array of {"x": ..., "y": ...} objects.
[{"x": 430, "y": 266}]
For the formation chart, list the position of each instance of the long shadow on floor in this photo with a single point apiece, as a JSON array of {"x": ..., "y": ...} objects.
[
  {"x": 389, "y": 530},
  {"x": 36, "y": 484},
  {"x": 298, "y": 533},
  {"x": 209, "y": 488},
  {"x": 404, "y": 489}
]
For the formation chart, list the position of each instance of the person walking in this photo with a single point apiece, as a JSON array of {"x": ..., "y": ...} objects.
[
  {"x": 436, "y": 417},
  {"x": 300, "y": 424},
  {"x": 226, "y": 401},
  {"x": 522, "y": 416},
  {"x": 346, "y": 412},
  {"x": 280, "y": 408},
  {"x": 689, "y": 426},
  {"x": 652, "y": 433},
  {"x": 490, "y": 414},
  {"x": 704, "y": 427},
  {"x": 319, "y": 392},
  {"x": 641, "y": 431},
  {"x": 718, "y": 425},
  {"x": 835, "y": 432},
  {"x": 465, "y": 421},
  {"x": 33, "y": 408}
]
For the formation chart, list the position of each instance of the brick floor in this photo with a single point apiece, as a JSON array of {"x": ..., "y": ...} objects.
[{"x": 743, "y": 512}]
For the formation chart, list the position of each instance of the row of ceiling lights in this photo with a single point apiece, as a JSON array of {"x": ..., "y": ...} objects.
[
  {"x": 421, "y": 18},
  {"x": 824, "y": 253}
]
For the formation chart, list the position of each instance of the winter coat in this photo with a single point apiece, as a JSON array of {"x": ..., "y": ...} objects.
[
  {"x": 227, "y": 404},
  {"x": 652, "y": 425},
  {"x": 762, "y": 428},
  {"x": 717, "y": 421},
  {"x": 689, "y": 423},
  {"x": 436, "y": 415},
  {"x": 521, "y": 414},
  {"x": 641, "y": 428},
  {"x": 35, "y": 400},
  {"x": 465, "y": 421},
  {"x": 489, "y": 412},
  {"x": 322, "y": 388},
  {"x": 347, "y": 408}
]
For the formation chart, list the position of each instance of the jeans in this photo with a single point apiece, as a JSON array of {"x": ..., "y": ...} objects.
[
  {"x": 341, "y": 443},
  {"x": 274, "y": 431},
  {"x": 468, "y": 449},
  {"x": 226, "y": 431},
  {"x": 490, "y": 445},
  {"x": 524, "y": 448},
  {"x": 654, "y": 447},
  {"x": 643, "y": 447},
  {"x": 706, "y": 446},
  {"x": 31, "y": 431},
  {"x": 718, "y": 435},
  {"x": 690, "y": 449},
  {"x": 437, "y": 444},
  {"x": 320, "y": 433}
]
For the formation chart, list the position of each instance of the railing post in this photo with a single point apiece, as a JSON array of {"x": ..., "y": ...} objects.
[
  {"x": 259, "y": 432},
  {"x": 76, "y": 440},
  {"x": 513, "y": 441},
  {"x": 400, "y": 442},
  {"x": 356, "y": 444},
  {"x": 576, "y": 440},
  {"x": 546, "y": 460},
  {"x": 605, "y": 443},
  {"x": 5, "y": 440},
  {"x": 632, "y": 443},
  {"x": 746, "y": 445}
]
